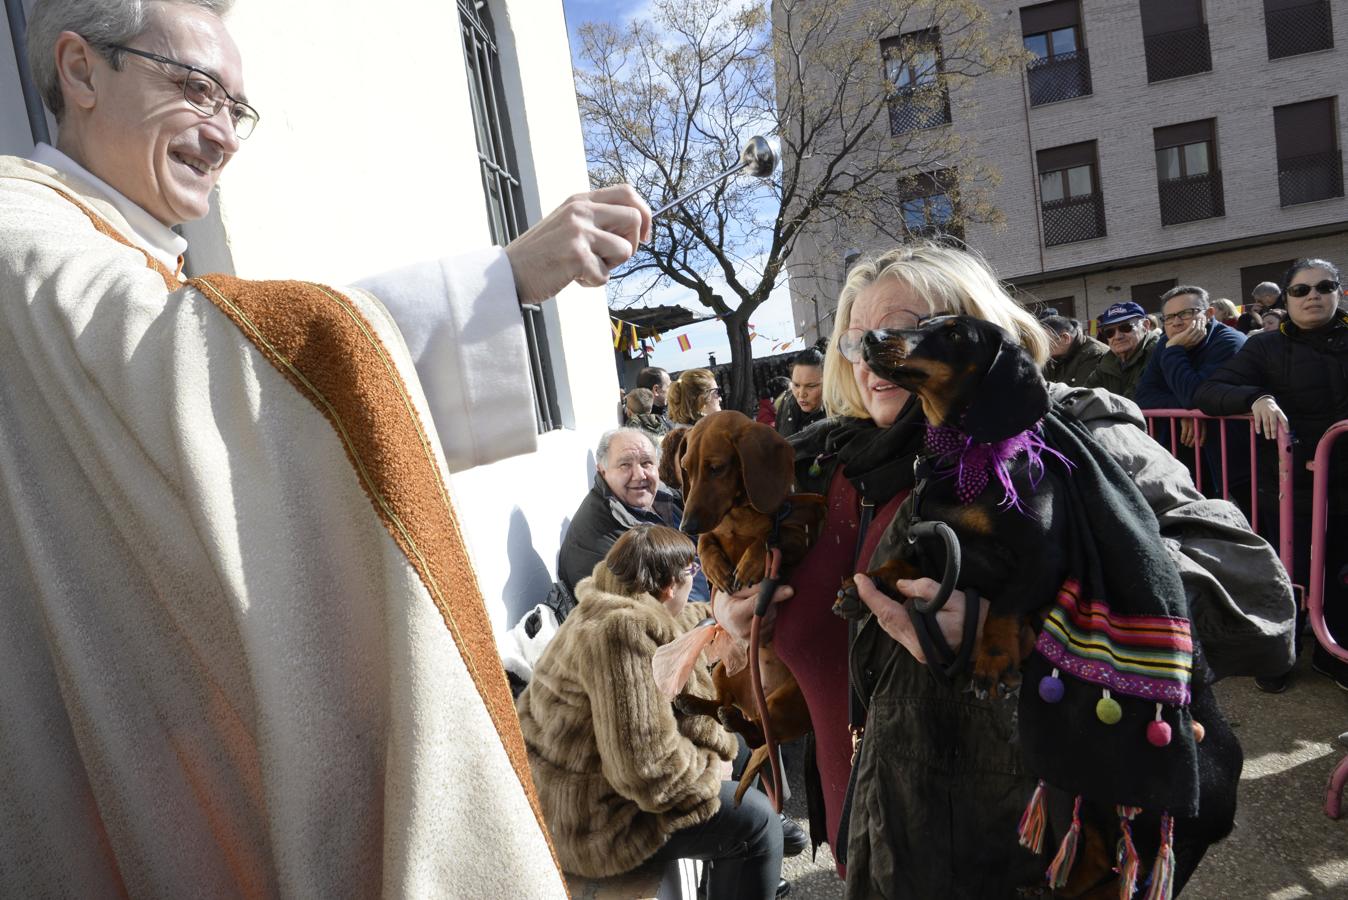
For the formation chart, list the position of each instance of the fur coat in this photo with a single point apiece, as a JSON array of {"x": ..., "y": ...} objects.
[{"x": 616, "y": 771}]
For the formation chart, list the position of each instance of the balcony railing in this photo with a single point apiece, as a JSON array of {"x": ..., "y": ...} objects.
[
  {"x": 1317, "y": 176},
  {"x": 1074, "y": 219},
  {"x": 1299, "y": 29},
  {"x": 1191, "y": 198},
  {"x": 1173, "y": 54},
  {"x": 915, "y": 108},
  {"x": 1060, "y": 77}
]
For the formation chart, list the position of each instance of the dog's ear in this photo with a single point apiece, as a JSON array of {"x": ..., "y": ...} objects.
[
  {"x": 767, "y": 464},
  {"x": 1011, "y": 397},
  {"x": 671, "y": 458}
]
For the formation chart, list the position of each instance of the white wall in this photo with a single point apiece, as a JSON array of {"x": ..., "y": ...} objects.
[{"x": 366, "y": 160}]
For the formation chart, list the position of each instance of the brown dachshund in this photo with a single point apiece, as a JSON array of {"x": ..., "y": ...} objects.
[{"x": 737, "y": 476}]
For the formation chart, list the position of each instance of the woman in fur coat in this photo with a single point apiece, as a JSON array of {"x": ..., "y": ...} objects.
[{"x": 623, "y": 779}]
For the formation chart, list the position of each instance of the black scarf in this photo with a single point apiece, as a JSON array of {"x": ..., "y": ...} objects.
[
  {"x": 877, "y": 461},
  {"x": 1127, "y": 579}
]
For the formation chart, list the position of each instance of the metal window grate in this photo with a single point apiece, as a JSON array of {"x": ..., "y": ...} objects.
[
  {"x": 1191, "y": 198},
  {"x": 1304, "y": 179},
  {"x": 1059, "y": 77},
  {"x": 1299, "y": 29},
  {"x": 1173, "y": 54},
  {"x": 912, "y": 109},
  {"x": 1074, "y": 219},
  {"x": 501, "y": 186}
]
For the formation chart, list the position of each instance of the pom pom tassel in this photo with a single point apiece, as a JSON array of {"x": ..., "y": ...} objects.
[
  {"x": 1127, "y": 860},
  {"x": 1032, "y": 821},
  {"x": 1163, "y": 872},
  {"x": 1061, "y": 866}
]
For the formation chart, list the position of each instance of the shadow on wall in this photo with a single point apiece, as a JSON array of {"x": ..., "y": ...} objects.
[{"x": 529, "y": 579}]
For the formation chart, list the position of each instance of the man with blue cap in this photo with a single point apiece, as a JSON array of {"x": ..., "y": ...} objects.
[{"x": 1130, "y": 349}]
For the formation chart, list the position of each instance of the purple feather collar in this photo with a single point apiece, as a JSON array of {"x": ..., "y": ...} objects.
[{"x": 971, "y": 464}]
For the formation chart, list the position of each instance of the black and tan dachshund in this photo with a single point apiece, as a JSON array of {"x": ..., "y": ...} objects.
[{"x": 984, "y": 389}]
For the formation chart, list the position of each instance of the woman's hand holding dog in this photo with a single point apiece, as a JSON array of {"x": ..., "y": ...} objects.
[
  {"x": 735, "y": 612},
  {"x": 893, "y": 618}
]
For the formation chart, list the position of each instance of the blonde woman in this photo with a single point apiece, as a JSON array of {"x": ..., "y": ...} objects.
[
  {"x": 940, "y": 782},
  {"x": 693, "y": 396}
]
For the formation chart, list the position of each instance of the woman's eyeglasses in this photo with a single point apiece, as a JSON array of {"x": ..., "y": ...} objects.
[
  {"x": 1328, "y": 286},
  {"x": 693, "y": 568},
  {"x": 850, "y": 341}
]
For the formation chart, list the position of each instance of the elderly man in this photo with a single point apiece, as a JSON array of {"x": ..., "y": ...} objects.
[
  {"x": 244, "y": 648},
  {"x": 1263, "y": 296},
  {"x": 1194, "y": 346},
  {"x": 626, "y": 492},
  {"x": 1074, "y": 354},
  {"x": 1130, "y": 348}
]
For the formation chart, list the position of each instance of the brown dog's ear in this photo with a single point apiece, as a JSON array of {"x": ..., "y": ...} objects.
[
  {"x": 1010, "y": 398},
  {"x": 671, "y": 458},
  {"x": 767, "y": 464}
]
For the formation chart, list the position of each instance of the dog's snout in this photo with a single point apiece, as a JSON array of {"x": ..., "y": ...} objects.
[{"x": 689, "y": 525}]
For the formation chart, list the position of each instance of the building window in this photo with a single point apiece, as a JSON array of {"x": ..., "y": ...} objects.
[
  {"x": 1295, "y": 26},
  {"x": 1310, "y": 166},
  {"x": 1061, "y": 68},
  {"x": 1187, "y": 176},
  {"x": 1148, "y": 296},
  {"x": 501, "y": 183},
  {"x": 1176, "y": 38},
  {"x": 930, "y": 205},
  {"x": 1069, "y": 191},
  {"x": 913, "y": 68}
]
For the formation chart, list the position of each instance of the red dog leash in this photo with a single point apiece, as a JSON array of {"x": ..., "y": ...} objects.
[{"x": 765, "y": 592}]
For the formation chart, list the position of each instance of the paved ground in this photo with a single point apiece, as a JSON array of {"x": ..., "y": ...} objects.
[{"x": 1283, "y": 848}]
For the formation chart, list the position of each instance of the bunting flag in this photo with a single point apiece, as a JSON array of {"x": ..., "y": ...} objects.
[
  {"x": 684, "y": 344},
  {"x": 617, "y": 333}
]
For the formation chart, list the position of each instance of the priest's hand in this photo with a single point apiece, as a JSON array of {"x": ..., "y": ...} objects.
[
  {"x": 582, "y": 240},
  {"x": 894, "y": 619}
]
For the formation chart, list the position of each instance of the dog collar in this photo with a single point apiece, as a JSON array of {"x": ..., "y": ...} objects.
[{"x": 955, "y": 455}]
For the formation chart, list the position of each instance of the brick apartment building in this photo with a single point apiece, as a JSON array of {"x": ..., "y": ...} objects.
[{"x": 1148, "y": 143}]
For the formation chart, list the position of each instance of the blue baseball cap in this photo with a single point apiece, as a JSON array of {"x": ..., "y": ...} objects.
[{"x": 1122, "y": 312}]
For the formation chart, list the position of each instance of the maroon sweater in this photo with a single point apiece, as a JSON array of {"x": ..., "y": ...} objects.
[{"x": 812, "y": 641}]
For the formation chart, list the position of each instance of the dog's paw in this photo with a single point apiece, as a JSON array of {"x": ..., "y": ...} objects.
[
  {"x": 996, "y": 675},
  {"x": 848, "y": 604}
]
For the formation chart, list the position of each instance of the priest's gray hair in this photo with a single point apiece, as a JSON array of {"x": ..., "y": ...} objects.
[{"x": 100, "y": 22}]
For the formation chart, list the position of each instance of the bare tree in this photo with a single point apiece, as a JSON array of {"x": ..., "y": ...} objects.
[{"x": 669, "y": 101}]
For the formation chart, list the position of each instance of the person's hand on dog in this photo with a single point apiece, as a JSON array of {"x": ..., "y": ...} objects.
[
  {"x": 735, "y": 612},
  {"x": 894, "y": 619},
  {"x": 1267, "y": 417}
]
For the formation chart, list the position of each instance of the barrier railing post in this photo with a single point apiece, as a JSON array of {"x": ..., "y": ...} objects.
[{"x": 1315, "y": 597}]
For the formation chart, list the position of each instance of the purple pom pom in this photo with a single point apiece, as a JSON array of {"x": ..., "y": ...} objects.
[{"x": 1051, "y": 689}]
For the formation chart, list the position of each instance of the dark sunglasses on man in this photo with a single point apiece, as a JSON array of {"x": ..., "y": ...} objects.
[
  {"x": 1328, "y": 286},
  {"x": 1107, "y": 333}
]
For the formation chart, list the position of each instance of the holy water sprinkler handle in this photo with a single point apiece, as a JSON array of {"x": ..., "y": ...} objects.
[{"x": 757, "y": 158}]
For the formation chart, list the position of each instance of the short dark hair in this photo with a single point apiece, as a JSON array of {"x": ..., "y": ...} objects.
[
  {"x": 808, "y": 357},
  {"x": 1061, "y": 324},
  {"x": 650, "y": 377},
  {"x": 1179, "y": 290},
  {"x": 649, "y": 558},
  {"x": 777, "y": 384},
  {"x": 1311, "y": 263}
]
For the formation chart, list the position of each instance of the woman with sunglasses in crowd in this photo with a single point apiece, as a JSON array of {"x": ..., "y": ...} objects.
[
  {"x": 1297, "y": 377},
  {"x": 941, "y": 789},
  {"x": 693, "y": 396},
  {"x": 622, "y": 778}
]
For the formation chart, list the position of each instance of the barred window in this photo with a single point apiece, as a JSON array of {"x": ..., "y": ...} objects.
[
  {"x": 501, "y": 183},
  {"x": 930, "y": 204},
  {"x": 913, "y": 69}
]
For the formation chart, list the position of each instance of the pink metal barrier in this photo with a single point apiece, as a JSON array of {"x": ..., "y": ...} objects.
[
  {"x": 1315, "y": 597},
  {"x": 1175, "y": 416}
]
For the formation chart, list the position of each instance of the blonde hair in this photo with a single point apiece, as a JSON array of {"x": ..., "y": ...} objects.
[
  {"x": 685, "y": 395},
  {"x": 953, "y": 282},
  {"x": 1225, "y": 308}
]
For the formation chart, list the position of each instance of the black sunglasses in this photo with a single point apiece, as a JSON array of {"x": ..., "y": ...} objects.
[
  {"x": 1110, "y": 330},
  {"x": 1328, "y": 286}
]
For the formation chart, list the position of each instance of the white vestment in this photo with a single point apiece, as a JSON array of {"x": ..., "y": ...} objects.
[{"x": 221, "y": 674}]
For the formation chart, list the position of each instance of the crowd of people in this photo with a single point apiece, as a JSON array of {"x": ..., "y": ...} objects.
[{"x": 213, "y": 695}]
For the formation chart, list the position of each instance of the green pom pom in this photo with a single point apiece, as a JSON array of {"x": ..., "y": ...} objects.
[
  {"x": 1107, "y": 710},
  {"x": 814, "y": 469}
]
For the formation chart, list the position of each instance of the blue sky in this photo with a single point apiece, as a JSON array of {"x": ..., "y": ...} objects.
[{"x": 773, "y": 318}]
